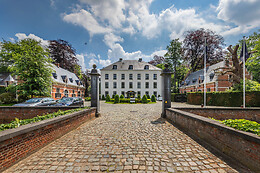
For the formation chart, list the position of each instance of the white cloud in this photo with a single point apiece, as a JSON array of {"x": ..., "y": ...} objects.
[
  {"x": 240, "y": 12},
  {"x": 243, "y": 13},
  {"x": 107, "y": 10},
  {"x": 81, "y": 59},
  {"x": 85, "y": 19},
  {"x": 104, "y": 63},
  {"x": 22, "y": 36},
  {"x": 110, "y": 39}
]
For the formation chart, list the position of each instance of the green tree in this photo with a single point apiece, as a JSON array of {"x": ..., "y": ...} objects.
[
  {"x": 31, "y": 62},
  {"x": 144, "y": 99},
  {"x": 117, "y": 100},
  {"x": 107, "y": 98},
  {"x": 173, "y": 57},
  {"x": 153, "y": 99},
  {"x": 122, "y": 96}
]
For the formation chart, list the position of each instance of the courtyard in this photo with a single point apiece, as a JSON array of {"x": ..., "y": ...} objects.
[{"x": 126, "y": 138}]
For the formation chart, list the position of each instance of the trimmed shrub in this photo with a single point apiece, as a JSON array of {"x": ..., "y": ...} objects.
[
  {"x": 121, "y": 97},
  {"x": 148, "y": 97},
  {"x": 153, "y": 99},
  {"x": 7, "y": 98},
  {"x": 227, "y": 98},
  {"x": 103, "y": 97},
  {"x": 178, "y": 97},
  {"x": 117, "y": 100},
  {"x": 107, "y": 98},
  {"x": 113, "y": 96},
  {"x": 88, "y": 99},
  {"x": 139, "y": 97},
  {"x": 144, "y": 99},
  {"x": 124, "y": 100}
]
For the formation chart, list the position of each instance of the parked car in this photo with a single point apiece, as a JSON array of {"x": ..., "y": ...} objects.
[
  {"x": 70, "y": 101},
  {"x": 37, "y": 102}
]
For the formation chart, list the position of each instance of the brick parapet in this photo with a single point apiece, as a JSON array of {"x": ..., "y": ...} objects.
[
  {"x": 16, "y": 144},
  {"x": 243, "y": 147},
  {"x": 252, "y": 114},
  {"x": 9, "y": 113}
]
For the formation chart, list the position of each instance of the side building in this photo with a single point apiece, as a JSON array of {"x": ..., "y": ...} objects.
[
  {"x": 65, "y": 84},
  {"x": 131, "y": 78},
  {"x": 215, "y": 81}
]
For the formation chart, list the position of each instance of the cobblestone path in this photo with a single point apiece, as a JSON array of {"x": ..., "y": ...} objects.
[{"x": 127, "y": 138}]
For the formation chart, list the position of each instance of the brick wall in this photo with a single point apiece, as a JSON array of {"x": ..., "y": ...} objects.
[
  {"x": 252, "y": 114},
  {"x": 241, "y": 147},
  {"x": 9, "y": 113},
  {"x": 16, "y": 144}
]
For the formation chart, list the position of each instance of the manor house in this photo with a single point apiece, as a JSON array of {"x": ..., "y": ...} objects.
[{"x": 131, "y": 78}]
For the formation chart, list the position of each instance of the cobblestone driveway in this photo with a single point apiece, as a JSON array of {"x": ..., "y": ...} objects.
[{"x": 127, "y": 138}]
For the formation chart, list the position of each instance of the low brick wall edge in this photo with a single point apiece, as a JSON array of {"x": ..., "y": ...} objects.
[
  {"x": 11, "y": 133},
  {"x": 219, "y": 137}
]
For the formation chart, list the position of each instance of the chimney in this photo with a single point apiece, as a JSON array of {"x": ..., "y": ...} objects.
[
  {"x": 58, "y": 65},
  {"x": 140, "y": 60},
  {"x": 120, "y": 59}
]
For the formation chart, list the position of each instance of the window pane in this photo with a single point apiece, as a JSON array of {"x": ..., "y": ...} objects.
[
  {"x": 114, "y": 84},
  {"x": 147, "y": 76},
  {"x": 123, "y": 76},
  {"x": 106, "y": 76},
  {"x": 154, "y": 76},
  {"x": 146, "y": 84},
  {"x": 130, "y": 76},
  {"x": 114, "y": 76},
  {"x": 138, "y": 76},
  {"x": 130, "y": 84}
]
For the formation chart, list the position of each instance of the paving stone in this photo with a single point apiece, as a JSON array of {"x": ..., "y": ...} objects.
[{"x": 124, "y": 139}]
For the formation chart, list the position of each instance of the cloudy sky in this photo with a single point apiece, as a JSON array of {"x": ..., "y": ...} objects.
[{"x": 128, "y": 29}]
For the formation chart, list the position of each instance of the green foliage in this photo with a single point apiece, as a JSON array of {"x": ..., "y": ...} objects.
[
  {"x": 178, "y": 97},
  {"x": 103, "y": 97},
  {"x": 121, "y": 97},
  {"x": 144, "y": 99},
  {"x": 148, "y": 97},
  {"x": 16, "y": 123},
  {"x": 88, "y": 99},
  {"x": 113, "y": 96},
  {"x": 7, "y": 98},
  {"x": 2, "y": 90},
  {"x": 242, "y": 124},
  {"x": 124, "y": 100},
  {"x": 117, "y": 100},
  {"x": 139, "y": 97},
  {"x": 250, "y": 86},
  {"x": 161, "y": 66},
  {"x": 153, "y": 99},
  {"x": 227, "y": 98},
  {"x": 31, "y": 62},
  {"x": 107, "y": 98}
]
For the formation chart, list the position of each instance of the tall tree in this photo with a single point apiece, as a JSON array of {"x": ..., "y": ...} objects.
[
  {"x": 63, "y": 54},
  {"x": 173, "y": 57},
  {"x": 157, "y": 60},
  {"x": 193, "y": 47},
  {"x": 31, "y": 62}
]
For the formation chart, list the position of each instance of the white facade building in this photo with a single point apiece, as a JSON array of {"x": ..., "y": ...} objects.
[{"x": 131, "y": 78}]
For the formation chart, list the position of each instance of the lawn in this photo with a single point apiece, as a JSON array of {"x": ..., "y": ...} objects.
[{"x": 10, "y": 104}]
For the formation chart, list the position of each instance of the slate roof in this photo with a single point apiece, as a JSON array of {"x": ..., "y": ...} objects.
[
  {"x": 193, "y": 78},
  {"x": 137, "y": 65},
  {"x": 62, "y": 74},
  {"x": 3, "y": 77}
]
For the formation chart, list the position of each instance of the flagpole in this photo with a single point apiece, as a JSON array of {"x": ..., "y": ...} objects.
[
  {"x": 205, "y": 57},
  {"x": 244, "y": 73}
]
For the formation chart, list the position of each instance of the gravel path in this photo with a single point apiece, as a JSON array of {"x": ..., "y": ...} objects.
[{"x": 126, "y": 138}]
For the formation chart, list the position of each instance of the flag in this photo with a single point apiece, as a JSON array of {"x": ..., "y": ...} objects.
[{"x": 246, "y": 53}]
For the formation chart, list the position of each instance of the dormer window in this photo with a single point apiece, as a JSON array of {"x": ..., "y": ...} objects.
[
  {"x": 194, "y": 80},
  {"x": 146, "y": 67},
  {"x": 114, "y": 67},
  {"x": 54, "y": 75},
  {"x": 130, "y": 67},
  {"x": 211, "y": 76},
  {"x": 77, "y": 81},
  {"x": 71, "y": 80},
  {"x": 64, "y": 78}
]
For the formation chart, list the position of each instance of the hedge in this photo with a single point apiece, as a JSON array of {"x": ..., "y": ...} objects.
[
  {"x": 226, "y": 98},
  {"x": 178, "y": 97},
  {"x": 2, "y": 90}
]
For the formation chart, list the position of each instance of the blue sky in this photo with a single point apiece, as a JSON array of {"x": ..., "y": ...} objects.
[{"x": 128, "y": 29}]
